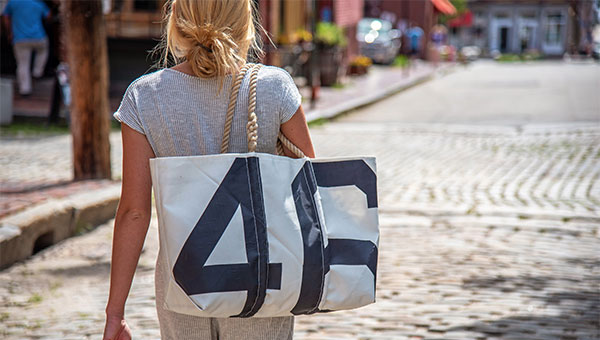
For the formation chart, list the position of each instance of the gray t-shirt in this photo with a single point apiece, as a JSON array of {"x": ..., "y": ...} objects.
[{"x": 183, "y": 115}]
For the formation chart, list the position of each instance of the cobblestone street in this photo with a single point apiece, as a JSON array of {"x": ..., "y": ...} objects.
[{"x": 490, "y": 228}]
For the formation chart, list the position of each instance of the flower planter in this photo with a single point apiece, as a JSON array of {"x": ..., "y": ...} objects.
[
  {"x": 330, "y": 65},
  {"x": 358, "y": 70}
]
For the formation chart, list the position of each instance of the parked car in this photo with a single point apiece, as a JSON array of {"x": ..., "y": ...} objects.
[
  {"x": 377, "y": 40},
  {"x": 470, "y": 53}
]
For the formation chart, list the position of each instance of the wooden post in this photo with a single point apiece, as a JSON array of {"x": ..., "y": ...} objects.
[{"x": 88, "y": 63}]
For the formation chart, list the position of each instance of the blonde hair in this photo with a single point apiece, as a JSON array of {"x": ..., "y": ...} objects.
[{"x": 213, "y": 36}]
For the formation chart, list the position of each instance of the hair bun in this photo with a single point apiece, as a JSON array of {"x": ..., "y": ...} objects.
[
  {"x": 214, "y": 37},
  {"x": 207, "y": 34}
]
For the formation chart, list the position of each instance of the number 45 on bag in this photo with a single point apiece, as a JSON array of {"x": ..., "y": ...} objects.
[{"x": 257, "y": 235}]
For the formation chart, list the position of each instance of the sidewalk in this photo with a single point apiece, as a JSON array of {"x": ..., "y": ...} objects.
[
  {"x": 382, "y": 81},
  {"x": 39, "y": 172}
]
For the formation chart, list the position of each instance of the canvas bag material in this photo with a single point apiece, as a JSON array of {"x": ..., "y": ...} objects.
[{"x": 261, "y": 235}]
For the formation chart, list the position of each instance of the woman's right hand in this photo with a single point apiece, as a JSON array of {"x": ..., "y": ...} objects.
[{"x": 116, "y": 328}]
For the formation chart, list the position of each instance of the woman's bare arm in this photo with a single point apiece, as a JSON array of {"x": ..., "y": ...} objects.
[
  {"x": 296, "y": 130},
  {"x": 133, "y": 217}
]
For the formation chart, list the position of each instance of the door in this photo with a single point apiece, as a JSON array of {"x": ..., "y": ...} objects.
[
  {"x": 500, "y": 31},
  {"x": 503, "y": 39}
]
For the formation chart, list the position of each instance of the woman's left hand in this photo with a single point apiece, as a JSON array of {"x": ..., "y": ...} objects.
[{"x": 116, "y": 328}]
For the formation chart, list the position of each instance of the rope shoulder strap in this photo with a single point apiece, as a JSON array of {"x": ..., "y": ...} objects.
[
  {"x": 284, "y": 141},
  {"x": 235, "y": 89},
  {"x": 252, "y": 125}
]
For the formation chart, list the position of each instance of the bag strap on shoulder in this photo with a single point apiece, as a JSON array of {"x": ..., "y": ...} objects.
[
  {"x": 235, "y": 89},
  {"x": 252, "y": 125}
]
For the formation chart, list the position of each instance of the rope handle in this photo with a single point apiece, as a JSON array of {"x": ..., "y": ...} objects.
[
  {"x": 252, "y": 125},
  {"x": 284, "y": 141},
  {"x": 235, "y": 89}
]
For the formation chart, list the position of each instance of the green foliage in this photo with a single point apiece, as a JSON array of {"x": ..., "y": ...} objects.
[
  {"x": 35, "y": 298},
  {"x": 401, "y": 61},
  {"x": 460, "y": 5},
  {"x": 330, "y": 34},
  {"x": 37, "y": 128},
  {"x": 317, "y": 122},
  {"x": 508, "y": 58},
  {"x": 461, "y": 8},
  {"x": 32, "y": 129}
]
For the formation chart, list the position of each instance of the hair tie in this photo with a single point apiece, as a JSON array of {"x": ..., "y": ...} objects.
[{"x": 208, "y": 49}]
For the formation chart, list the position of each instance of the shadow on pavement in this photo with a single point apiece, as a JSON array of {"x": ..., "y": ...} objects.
[
  {"x": 94, "y": 269},
  {"x": 556, "y": 312}
]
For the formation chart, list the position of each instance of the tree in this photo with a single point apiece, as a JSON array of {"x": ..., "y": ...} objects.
[
  {"x": 461, "y": 8},
  {"x": 88, "y": 62}
]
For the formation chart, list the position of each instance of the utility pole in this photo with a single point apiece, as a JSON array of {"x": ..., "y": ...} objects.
[{"x": 88, "y": 63}]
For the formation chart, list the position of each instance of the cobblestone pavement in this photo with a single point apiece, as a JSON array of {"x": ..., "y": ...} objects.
[
  {"x": 30, "y": 177},
  {"x": 487, "y": 232},
  {"x": 46, "y": 160}
]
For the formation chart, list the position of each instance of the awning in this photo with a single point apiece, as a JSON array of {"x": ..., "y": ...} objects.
[
  {"x": 463, "y": 20},
  {"x": 444, "y": 6}
]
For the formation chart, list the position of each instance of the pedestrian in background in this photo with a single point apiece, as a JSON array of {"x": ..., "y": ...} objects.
[
  {"x": 414, "y": 34},
  {"x": 180, "y": 111},
  {"x": 438, "y": 37},
  {"x": 23, "y": 20}
]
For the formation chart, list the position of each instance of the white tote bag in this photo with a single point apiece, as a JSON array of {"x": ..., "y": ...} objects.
[{"x": 260, "y": 235}]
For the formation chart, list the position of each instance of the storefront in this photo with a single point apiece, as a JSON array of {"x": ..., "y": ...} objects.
[{"x": 498, "y": 28}]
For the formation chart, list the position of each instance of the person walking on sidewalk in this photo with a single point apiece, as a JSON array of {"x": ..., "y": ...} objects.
[
  {"x": 23, "y": 19},
  {"x": 180, "y": 111},
  {"x": 414, "y": 34}
]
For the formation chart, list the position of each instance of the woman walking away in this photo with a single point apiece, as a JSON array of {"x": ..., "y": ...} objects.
[{"x": 180, "y": 111}]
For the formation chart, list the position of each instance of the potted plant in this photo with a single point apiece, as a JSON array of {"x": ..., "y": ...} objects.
[
  {"x": 330, "y": 39},
  {"x": 359, "y": 65}
]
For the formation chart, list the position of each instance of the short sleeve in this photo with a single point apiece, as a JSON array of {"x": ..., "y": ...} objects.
[
  {"x": 290, "y": 97},
  {"x": 7, "y": 9},
  {"x": 127, "y": 113},
  {"x": 45, "y": 9}
]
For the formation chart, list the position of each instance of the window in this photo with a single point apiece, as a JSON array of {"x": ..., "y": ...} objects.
[
  {"x": 528, "y": 15},
  {"x": 477, "y": 31},
  {"x": 554, "y": 27},
  {"x": 117, "y": 5},
  {"x": 145, "y": 5}
]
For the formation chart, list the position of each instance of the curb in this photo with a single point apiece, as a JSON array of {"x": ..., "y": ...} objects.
[
  {"x": 31, "y": 230},
  {"x": 365, "y": 100}
]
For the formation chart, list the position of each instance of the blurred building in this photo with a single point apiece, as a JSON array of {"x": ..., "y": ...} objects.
[
  {"x": 133, "y": 28},
  {"x": 548, "y": 27},
  {"x": 404, "y": 13},
  {"x": 283, "y": 18}
]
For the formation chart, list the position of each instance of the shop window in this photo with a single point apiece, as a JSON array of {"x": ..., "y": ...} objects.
[
  {"x": 145, "y": 5},
  {"x": 117, "y": 6},
  {"x": 526, "y": 37},
  {"x": 477, "y": 31},
  {"x": 554, "y": 28}
]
